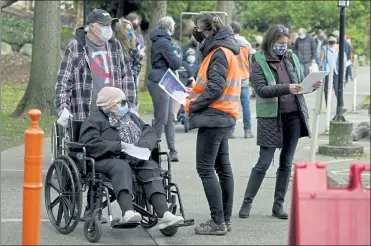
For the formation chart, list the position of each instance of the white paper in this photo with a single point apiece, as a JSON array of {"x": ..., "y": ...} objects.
[
  {"x": 63, "y": 118},
  {"x": 173, "y": 87},
  {"x": 348, "y": 63},
  {"x": 137, "y": 152},
  {"x": 311, "y": 80}
]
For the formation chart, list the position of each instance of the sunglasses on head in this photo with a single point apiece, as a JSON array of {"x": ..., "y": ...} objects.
[{"x": 283, "y": 30}]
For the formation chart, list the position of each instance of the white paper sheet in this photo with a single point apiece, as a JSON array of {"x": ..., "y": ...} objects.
[
  {"x": 311, "y": 80},
  {"x": 137, "y": 152},
  {"x": 173, "y": 87},
  {"x": 63, "y": 118}
]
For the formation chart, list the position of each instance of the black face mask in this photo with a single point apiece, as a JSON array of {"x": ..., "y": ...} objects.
[
  {"x": 331, "y": 42},
  {"x": 199, "y": 37},
  {"x": 135, "y": 26}
]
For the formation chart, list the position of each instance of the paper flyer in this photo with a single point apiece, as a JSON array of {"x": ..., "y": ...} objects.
[{"x": 173, "y": 87}]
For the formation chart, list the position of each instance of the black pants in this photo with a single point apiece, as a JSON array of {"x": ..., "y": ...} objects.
[
  {"x": 291, "y": 129},
  {"x": 121, "y": 174},
  {"x": 212, "y": 154}
]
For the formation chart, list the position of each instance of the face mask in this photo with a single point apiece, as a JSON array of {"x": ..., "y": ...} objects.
[
  {"x": 135, "y": 25},
  {"x": 105, "y": 33},
  {"x": 191, "y": 59},
  {"x": 321, "y": 37},
  {"x": 331, "y": 43},
  {"x": 199, "y": 37},
  {"x": 279, "y": 49},
  {"x": 130, "y": 33},
  {"x": 122, "y": 110},
  {"x": 302, "y": 36}
]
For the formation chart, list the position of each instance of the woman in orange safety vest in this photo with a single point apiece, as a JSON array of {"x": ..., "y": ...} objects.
[{"x": 213, "y": 108}]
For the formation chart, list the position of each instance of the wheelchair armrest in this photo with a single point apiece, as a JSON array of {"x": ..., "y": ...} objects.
[{"x": 75, "y": 145}]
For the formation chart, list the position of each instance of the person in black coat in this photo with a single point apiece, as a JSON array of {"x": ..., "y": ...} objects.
[
  {"x": 214, "y": 123},
  {"x": 163, "y": 58},
  {"x": 288, "y": 122},
  {"x": 105, "y": 135}
]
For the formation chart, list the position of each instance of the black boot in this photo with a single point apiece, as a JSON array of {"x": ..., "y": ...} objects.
[
  {"x": 282, "y": 183},
  {"x": 252, "y": 188}
]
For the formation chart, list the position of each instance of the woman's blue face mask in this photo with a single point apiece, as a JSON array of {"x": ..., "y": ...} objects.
[
  {"x": 122, "y": 110},
  {"x": 130, "y": 33},
  {"x": 279, "y": 49}
]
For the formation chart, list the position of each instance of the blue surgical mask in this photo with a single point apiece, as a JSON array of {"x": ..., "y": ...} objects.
[
  {"x": 130, "y": 33},
  {"x": 122, "y": 110},
  {"x": 279, "y": 49}
]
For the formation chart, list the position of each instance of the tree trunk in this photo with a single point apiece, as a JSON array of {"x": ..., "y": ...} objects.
[
  {"x": 238, "y": 12},
  {"x": 30, "y": 5},
  {"x": 79, "y": 13},
  {"x": 226, "y": 6},
  {"x": 120, "y": 9},
  {"x": 45, "y": 55},
  {"x": 158, "y": 11}
]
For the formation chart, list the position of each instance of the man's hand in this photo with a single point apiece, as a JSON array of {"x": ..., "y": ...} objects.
[
  {"x": 295, "y": 88},
  {"x": 318, "y": 84}
]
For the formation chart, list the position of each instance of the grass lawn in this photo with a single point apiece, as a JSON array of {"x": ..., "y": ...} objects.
[{"x": 12, "y": 130}]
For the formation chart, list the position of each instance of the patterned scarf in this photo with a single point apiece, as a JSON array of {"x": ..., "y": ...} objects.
[{"x": 129, "y": 131}]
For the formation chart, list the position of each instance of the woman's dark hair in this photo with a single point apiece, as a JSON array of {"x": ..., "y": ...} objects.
[
  {"x": 271, "y": 36},
  {"x": 211, "y": 22}
]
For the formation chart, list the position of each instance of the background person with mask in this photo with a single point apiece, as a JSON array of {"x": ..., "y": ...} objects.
[
  {"x": 282, "y": 115},
  {"x": 320, "y": 42},
  {"x": 135, "y": 20},
  {"x": 214, "y": 110},
  {"x": 163, "y": 58},
  {"x": 189, "y": 53},
  {"x": 306, "y": 50},
  {"x": 79, "y": 80}
]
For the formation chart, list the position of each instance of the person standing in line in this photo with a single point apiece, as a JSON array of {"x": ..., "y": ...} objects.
[
  {"x": 124, "y": 33},
  {"x": 213, "y": 109},
  {"x": 243, "y": 64},
  {"x": 135, "y": 20},
  {"x": 163, "y": 58},
  {"x": 306, "y": 50},
  {"x": 258, "y": 42},
  {"x": 320, "y": 42},
  {"x": 93, "y": 60},
  {"x": 282, "y": 115}
]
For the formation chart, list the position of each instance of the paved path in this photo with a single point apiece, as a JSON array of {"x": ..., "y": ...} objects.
[{"x": 259, "y": 229}]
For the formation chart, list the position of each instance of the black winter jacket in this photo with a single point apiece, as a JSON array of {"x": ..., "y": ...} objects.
[
  {"x": 162, "y": 55},
  {"x": 269, "y": 130},
  {"x": 103, "y": 141},
  {"x": 200, "y": 113}
]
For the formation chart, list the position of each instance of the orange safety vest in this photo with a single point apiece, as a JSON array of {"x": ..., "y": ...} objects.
[
  {"x": 230, "y": 100},
  {"x": 243, "y": 62}
]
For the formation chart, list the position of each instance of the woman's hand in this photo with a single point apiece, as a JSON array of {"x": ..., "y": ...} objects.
[
  {"x": 295, "y": 88},
  {"x": 317, "y": 85}
]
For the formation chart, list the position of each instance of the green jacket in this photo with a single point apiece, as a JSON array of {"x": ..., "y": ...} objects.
[{"x": 268, "y": 107}]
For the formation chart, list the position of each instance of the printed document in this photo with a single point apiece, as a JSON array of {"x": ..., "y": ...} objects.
[
  {"x": 311, "y": 80},
  {"x": 63, "y": 118},
  {"x": 137, "y": 152},
  {"x": 173, "y": 87}
]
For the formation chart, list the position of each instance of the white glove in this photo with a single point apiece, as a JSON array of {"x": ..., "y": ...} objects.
[{"x": 64, "y": 117}]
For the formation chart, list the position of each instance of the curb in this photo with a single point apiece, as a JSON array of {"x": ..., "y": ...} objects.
[{"x": 335, "y": 181}]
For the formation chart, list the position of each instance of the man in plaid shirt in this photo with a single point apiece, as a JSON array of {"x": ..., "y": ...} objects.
[{"x": 92, "y": 60}]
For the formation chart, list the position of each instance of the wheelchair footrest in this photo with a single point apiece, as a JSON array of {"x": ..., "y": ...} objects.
[
  {"x": 116, "y": 225},
  {"x": 189, "y": 222}
]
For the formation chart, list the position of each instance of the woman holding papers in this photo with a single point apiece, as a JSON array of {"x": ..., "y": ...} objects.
[
  {"x": 163, "y": 58},
  {"x": 108, "y": 134},
  {"x": 214, "y": 111},
  {"x": 282, "y": 115}
]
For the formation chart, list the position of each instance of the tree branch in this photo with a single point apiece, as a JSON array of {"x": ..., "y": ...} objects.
[{"x": 5, "y": 4}]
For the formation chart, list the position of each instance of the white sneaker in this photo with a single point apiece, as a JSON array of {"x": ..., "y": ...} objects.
[
  {"x": 169, "y": 219},
  {"x": 131, "y": 217}
]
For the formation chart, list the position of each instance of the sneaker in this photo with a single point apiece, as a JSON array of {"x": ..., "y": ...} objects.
[
  {"x": 131, "y": 217},
  {"x": 87, "y": 215},
  {"x": 169, "y": 219},
  {"x": 173, "y": 155},
  {"x": 248, "y": 134},
  {"x": 229, "y": 226},
  {"x": 210, "y": 228}
]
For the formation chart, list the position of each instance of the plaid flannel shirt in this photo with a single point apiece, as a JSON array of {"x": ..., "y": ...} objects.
[{"x": 74, "y": 82}]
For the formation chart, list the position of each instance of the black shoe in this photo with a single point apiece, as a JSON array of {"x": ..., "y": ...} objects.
[
  {"x": 245, "y": 211},
  {"x": 280, "y": 213},
  {"x": 211, "y": 228},
  {"x": 173, "y": 155}
]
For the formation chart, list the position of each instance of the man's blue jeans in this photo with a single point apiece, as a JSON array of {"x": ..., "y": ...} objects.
[{"x": 245, "y": 103}]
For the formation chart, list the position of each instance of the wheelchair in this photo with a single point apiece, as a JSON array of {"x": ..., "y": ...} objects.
[{"x": 72, "y": 172}]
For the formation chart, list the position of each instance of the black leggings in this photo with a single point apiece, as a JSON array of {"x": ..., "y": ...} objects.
[{"x": 212, "y": 154}]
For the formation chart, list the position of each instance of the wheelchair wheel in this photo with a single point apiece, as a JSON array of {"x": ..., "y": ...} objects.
[
  {"x": 94, "y": 233},
  {"x": 63, "y": 179}
]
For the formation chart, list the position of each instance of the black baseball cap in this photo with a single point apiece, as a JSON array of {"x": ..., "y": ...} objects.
[{"x": 99, "y": 16}]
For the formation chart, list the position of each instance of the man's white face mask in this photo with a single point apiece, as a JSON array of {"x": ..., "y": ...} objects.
[{"x": 105, "y": 33}]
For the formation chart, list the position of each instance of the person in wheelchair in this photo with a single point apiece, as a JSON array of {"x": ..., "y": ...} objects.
[{"x": 104, "y": 134}]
